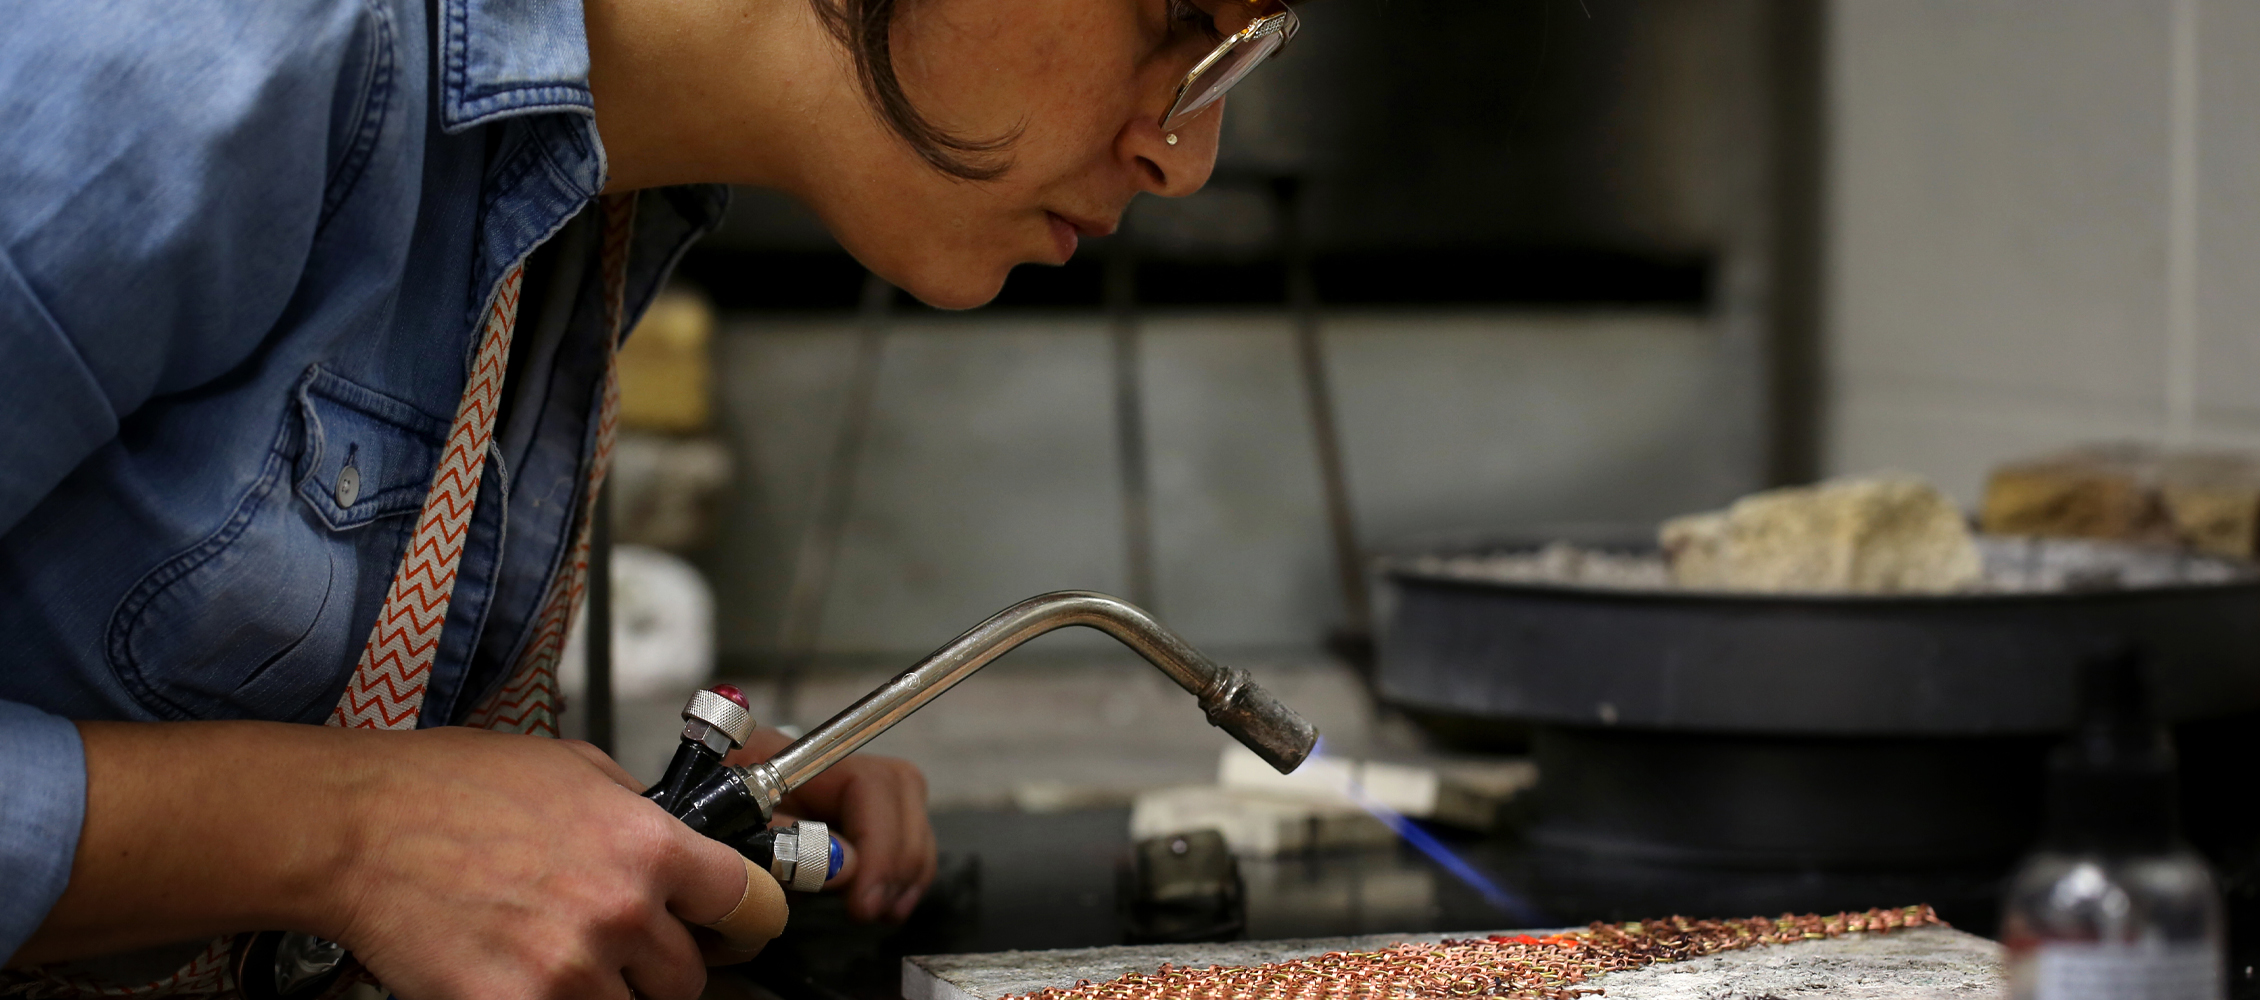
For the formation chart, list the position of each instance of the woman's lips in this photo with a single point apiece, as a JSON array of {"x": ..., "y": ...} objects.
[
  {"x": 1068, "y": 231},
  {"x": 1064, "y": 237}
]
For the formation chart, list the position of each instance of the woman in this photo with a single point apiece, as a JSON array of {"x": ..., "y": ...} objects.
[{"x": 306, "y": 320}]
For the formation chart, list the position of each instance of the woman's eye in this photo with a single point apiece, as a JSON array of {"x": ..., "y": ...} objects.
[{"x": 1187, "y": 17}]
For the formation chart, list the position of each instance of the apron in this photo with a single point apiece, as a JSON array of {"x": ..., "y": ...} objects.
[{"x": 388, "y": 684}]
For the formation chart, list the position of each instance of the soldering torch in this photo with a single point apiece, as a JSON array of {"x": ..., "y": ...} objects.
[
  {"x": 802, "y": 856},
  {"x": 736, "y": 804}
]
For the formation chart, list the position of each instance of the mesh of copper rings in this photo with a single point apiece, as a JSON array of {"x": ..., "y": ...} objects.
[{"x": 1513, "y": 966}]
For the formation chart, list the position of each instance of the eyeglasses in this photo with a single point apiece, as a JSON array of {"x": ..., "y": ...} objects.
[{"x": 1232, "y": 60}]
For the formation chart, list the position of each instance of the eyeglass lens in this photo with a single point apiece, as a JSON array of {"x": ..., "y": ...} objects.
[{"x": 1210, "y": 86}]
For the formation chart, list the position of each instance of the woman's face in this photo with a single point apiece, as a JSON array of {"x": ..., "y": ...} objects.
[{"x": 1083, "y": 83}]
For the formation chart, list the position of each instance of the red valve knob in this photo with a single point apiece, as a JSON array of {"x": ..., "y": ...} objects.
[{"x": 731, "y": 692}]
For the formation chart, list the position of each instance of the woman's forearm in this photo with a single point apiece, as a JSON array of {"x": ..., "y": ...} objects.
[
  {"x": 454, "y": 863},
  {"x": 195, "y": 829}
]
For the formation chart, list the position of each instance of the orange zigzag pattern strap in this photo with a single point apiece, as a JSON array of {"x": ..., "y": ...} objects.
[
  {"x": 387, "y": 689},
  {"x": 527, "y": 702},
  {"x": 211, "y": 972}
]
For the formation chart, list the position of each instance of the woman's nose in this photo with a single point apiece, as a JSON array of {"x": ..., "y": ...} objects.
[{"x": 1176, "y": 162}]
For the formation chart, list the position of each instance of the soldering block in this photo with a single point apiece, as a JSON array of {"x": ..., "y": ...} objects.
[
  {"x": 1257, "y": 823},
  {"x": 1469, "y": 795}
]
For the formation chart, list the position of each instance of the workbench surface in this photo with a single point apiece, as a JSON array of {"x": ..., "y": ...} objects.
[{"x": 1929, "y": 963}]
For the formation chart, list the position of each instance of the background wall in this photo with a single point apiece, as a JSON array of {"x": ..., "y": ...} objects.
[
  {"x": 990, "y": 472},
  {"x": 2006, "y": 269}
]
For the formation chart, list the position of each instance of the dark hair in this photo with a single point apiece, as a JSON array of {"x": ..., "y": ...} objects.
[{"x": 863, "y": 26}]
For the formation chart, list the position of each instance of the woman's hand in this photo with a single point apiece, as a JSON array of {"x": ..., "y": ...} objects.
[
  {"x": 501, "y": 866},
  {"x": 877, "y": 805},
  {"x": 454, "y": 863}
]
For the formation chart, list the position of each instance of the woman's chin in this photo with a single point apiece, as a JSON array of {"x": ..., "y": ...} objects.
[{"x": 956, "y": 287}]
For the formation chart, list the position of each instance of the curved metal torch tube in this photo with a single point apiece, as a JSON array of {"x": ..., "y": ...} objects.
[{"x": 1233, "y": 702}]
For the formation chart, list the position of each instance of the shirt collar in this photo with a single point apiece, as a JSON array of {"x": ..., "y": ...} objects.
[{"x": 501, "y": 58}]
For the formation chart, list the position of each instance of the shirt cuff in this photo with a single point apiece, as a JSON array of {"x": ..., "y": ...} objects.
[{"x": 42, "y": 804}]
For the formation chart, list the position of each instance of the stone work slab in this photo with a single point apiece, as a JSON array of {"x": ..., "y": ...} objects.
[
  {"x": 1931, "y": 963},
  {"x": 1927, "y": 963}
]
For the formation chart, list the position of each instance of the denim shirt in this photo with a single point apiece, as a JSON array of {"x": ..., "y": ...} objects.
[{"x": 241, "y": 246}]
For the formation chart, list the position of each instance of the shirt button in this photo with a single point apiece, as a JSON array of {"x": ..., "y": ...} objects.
[{"x": 348, "y": 486}]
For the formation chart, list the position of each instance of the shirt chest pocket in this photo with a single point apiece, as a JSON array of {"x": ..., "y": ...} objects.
[{"x": 265, "y": 616}]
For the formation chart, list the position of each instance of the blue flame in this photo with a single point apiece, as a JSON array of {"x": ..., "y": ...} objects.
[{"x": 1514, "y": 906}]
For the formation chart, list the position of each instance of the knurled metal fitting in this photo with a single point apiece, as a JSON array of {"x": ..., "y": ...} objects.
[
  {"x": 716, "y": 721},
  {"x": 802, "y": 856}
]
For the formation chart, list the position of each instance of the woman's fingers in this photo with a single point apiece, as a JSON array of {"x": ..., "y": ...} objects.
[
  {"x": 723, "y": 892},
  {"x": 910, "y": 867},
  {"x": 871, "y": 814},
  {"x": 604, "y": 763},
  {"x": 761, "y": 745},
  {"x": 877, "y": 804},
  {"x": 511, "y": 868},
  {"x": 882, "y": 805},
  {"x": 917, "y": 853},
  {"x": 708, "y": 882},
  {"x": 668, "y": 966}
]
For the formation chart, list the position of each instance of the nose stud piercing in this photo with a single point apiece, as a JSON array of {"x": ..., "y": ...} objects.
[{"x": 1172, "y": 140}]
